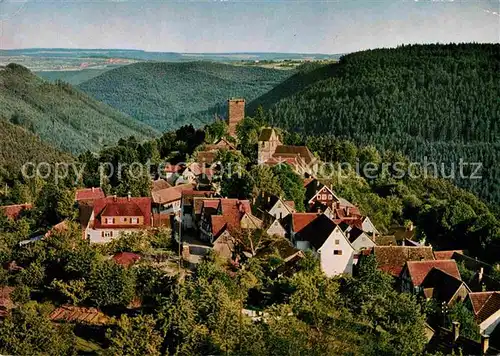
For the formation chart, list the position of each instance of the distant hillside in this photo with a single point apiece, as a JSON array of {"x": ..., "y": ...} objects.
[
  {"x": 61, "y": 115},
  {"x": 73, "y": 77},
  {"x": 168, "y": 95},
  {"x": 18, "y": 146},
  {"x": 435, "y": 101}
]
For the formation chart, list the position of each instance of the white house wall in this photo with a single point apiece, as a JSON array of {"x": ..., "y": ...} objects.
[
  {"x": 332, "y": 264},
  {"x": 362, "y": 242}
]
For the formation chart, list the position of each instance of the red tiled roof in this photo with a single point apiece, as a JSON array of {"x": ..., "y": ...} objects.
[
  {"x": 126, "y": 259},
  {"x": 124, "y": 208},
  {"x": 133, "y": 206},
  {"x": 485, "y": 304},
  {"x": 89, "y": 194},
  {"x": 159, "y": 184},
  {"x": 446, "y": 255},
  {"x": 207, "y": 203},
  {"x": 172, "y": 194},
  {"x": 299, "y": 151},
  {"x": 418, "y": 270},
  {"x": 391, "y": 259},
  {"x": 13, "y": 211},
  {"x": 301, "y": 220},
  {"x": 218, "y": 224},
  {"x": 233, "y": 210}
]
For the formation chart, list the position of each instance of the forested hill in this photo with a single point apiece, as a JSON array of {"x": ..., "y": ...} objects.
[
  {"x": 18, "y": 146},
  {"x": 169, "y": 95},
  {"x": 439, "y": 101},
  {"x": 59, "y": 114}
]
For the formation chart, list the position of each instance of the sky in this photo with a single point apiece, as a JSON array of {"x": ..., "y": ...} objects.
[{"x": 305, "y": 26}]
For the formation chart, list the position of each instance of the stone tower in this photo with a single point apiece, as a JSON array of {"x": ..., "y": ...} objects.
[{"x": 235, "y": 113}]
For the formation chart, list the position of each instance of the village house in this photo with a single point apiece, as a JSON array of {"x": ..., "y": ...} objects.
[
  {"x": 229, "y": 215},
  {"x": 486, "y": 308},
  {"x": 168, "y": 201},
  {"x": 188, "y": 198},
  {"x": 272, "y": 152},
  {"x": 414, "y": 273},
  {"x": 391, "y": 259},
  {"x": 109, "y": 217},
  {"x": 327, "y": 241}
]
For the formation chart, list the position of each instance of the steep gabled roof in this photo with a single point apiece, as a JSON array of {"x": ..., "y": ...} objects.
[
  {"x": 218, "y": 223},
  {"x": 484, "y": 304},
  {"x": 391, "y": 259},
  {"x": 418, "y": 270},
  {"x": 318, "y": 231},
  {"x": 441, "y": 285}
]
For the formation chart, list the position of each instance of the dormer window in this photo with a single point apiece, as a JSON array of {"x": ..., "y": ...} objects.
[
  {"x": 109, "y": 220},
  {"x": 134, "y": 220}
]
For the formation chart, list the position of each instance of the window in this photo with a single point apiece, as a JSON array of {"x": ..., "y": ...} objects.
[
  {"x": 107, "y": 234},
  {"x": 134, "y": 220},
  {"x": 330, "y": 197},
  {"x": 337, "y": 252},
  {"x": 337, "y": 242},
  {"x": 109, "y": 220}
]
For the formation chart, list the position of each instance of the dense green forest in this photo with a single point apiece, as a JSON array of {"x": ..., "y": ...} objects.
[
  {"x": 169, "y": 95},
  {"x": 59, "y": 114},
  {"x": 434, "y": 101},
  {"x": 73, "y": 77},
  {"x": 18, "y": 145}
]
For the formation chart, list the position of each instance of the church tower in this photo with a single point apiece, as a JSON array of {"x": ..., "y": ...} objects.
[{"x": 268, "y": 142}]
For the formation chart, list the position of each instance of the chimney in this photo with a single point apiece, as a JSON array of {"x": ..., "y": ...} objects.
[
  {"x": 373, "y": 235},
  {"x": 480, "y": 275},
  {"x": 129, "y": 195},
  {"x": 485, "y": 344},
  {"x": 456, "y": 330},
  {"x": 92, "y": 189},
  {"x": 410, "y": 226},
  {"x": 114, "y": 197}
]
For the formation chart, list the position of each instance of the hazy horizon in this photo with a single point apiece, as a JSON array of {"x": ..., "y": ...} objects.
[{"x": 243, "y": 26}]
